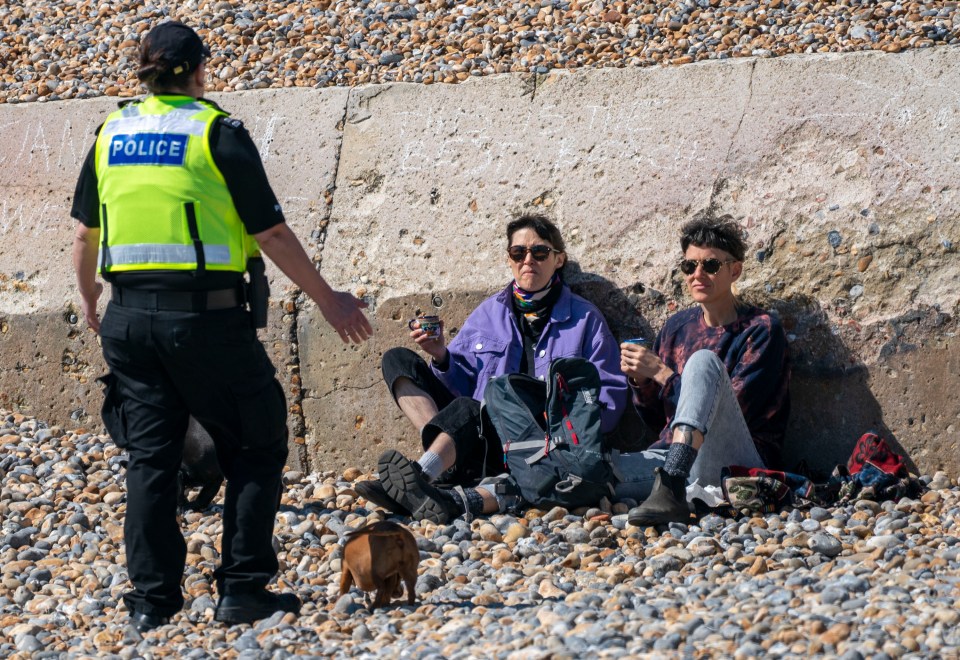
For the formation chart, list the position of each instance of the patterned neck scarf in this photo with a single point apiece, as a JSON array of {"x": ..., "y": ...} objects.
[
  {"x": 533, "y": 308},
  {"x": 531, "y": 302}
]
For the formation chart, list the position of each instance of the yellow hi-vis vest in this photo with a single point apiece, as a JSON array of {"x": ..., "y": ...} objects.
[{"x": 164, "y": 205}]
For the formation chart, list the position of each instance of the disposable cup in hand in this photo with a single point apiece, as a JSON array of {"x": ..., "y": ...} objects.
[{"x": 429, "y": 324}]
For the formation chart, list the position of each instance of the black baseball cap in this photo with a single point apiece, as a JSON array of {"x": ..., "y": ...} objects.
[{"x": 177, "y": 45}]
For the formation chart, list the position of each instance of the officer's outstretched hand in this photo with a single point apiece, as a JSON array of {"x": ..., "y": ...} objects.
[
  {"x": 344, "y": 312},
  {"x": 340, "y": 309}
]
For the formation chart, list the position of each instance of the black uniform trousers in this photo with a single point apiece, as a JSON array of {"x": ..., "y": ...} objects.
[
  {"x": 460, "y": 417},
  {"x": 170, "y": 365}
]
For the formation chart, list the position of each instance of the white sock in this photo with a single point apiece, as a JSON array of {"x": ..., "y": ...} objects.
[{"x": 431, "y": 464}]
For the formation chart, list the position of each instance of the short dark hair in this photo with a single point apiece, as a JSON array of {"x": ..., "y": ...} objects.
[
  {"x": 723, "y": 233},
  {"x": 542, "y": 225},
  {"x": 169, "y": 54}
]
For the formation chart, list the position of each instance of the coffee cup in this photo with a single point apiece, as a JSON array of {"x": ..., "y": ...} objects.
[
  {"x": 639, "y": 341},
  {"x": 429, "y": 324}
]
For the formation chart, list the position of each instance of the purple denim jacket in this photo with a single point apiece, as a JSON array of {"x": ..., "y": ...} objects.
[{"x": 490, "y": 345}]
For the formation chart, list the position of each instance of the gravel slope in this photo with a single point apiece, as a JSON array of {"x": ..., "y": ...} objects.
[{"x": 57, "y": 50}]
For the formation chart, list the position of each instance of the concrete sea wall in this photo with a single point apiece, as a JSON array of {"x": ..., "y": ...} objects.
[{"x": 843, "y": 167}]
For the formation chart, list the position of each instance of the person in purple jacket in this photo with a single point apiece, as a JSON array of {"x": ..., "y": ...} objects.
[
  {"x": 533, "y": 321},
  {"x": 716, "y": 381}
]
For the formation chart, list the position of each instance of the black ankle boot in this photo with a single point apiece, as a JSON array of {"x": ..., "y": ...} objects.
[
  {"x": 373, "y": 491},
  {"x": 253, "y": 606},
  {"x": 404, "y": 481},
  {"x": 145, "y": 622},
  {"x": 667, "y": 502}
]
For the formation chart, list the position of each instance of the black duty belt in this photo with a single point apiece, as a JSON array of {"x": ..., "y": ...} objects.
[{"x": 177, "y": 301}]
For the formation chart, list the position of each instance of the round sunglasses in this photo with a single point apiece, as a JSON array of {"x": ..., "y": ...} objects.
[
  {"x": 539, "y": 252},
  {"x": 710, "y": 266}
]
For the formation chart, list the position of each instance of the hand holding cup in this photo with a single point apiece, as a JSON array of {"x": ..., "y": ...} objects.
[
  {"x": 427, "y": 331},
  {"x": 431, "y": 326},
  {"x": 639, "y": 362}
]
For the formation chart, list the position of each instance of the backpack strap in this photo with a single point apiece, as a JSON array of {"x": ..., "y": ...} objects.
[
  {"x": 545, "y": 448},
  {"x": 523, "y": 446}
]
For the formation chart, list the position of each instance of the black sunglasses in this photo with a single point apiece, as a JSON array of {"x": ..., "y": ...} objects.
[
  {"x": 540, "y": 252},
  {"x": 710, "y": 266}
]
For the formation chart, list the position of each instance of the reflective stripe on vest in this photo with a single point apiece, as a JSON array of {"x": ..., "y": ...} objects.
[
  {"x": 174, "y": 122},
  {"x": 122, "y": 255}
]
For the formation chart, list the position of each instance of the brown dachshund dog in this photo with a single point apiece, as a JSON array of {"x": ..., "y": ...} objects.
[{"x": 378, "y": 556}]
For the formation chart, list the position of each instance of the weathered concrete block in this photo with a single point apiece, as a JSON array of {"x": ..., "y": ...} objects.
[
  {"x": 842, "y": 167},
  {"x": 50, "y": 368}
]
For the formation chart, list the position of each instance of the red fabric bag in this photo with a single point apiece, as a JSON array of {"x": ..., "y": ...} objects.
[{"x": 873, "y": 449}]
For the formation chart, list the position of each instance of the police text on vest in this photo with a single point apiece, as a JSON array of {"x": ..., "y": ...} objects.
[{"x": 148, "y": 149}]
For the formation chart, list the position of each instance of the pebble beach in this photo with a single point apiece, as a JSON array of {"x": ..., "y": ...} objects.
[
  {"x": 63, "y": 50},
  {"x": 863, "y": 580}
]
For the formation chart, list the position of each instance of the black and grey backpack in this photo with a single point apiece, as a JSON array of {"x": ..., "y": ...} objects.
[{"x": 552, "y": 443}]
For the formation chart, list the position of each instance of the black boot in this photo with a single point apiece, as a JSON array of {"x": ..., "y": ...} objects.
[
  {"x": 404, "y": 481},
  {"x": 145, "y": 622},
  {"x": 374, "y": 492},
  {"x": 667, "y": 502},
  {"x": 253, "y": 606}
]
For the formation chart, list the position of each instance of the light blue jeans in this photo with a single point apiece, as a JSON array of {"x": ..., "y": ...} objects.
[{"x": 708, "y": 404}]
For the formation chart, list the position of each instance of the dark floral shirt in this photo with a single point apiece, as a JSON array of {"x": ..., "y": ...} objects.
[{"x": 754, "y": 350}]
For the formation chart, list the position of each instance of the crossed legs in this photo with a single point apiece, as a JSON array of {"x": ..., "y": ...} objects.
[{"x": 421, "y": 409}]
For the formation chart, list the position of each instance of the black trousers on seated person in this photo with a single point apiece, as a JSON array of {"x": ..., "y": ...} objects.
[
  {"x": 459, "y": 417},
  {"x": 170, "y": 365}
]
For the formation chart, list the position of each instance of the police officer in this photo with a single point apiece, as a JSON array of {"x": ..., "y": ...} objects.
[{"x": 173, "y": 201}]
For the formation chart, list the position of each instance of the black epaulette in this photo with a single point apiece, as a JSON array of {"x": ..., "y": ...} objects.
[
  {"x": 231, "y": 122},
  {"x": 125, "y": 102}
]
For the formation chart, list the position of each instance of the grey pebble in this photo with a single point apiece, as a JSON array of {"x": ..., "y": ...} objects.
[
  {"x": 820, "y": 514},
  {"x": 29, "y": 644},
  {"x": 247, "y": 642},
  {"x": 362, "y": 633},
  {"x": 21, "y": 538},
  {"x": 576, "y": 534},
  {"x": 202, "y": 604},
  {"x": 833, "y": 595},
  {"x": 857, "y": 32},
  {"x": 426, "y": 583},
  {"x": 825, "y": 544},
  {"x": 888, "y": 541}
]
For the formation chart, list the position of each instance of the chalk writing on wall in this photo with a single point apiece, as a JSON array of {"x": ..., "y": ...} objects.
[
  {"x": 31, "y": 219},
  {"x": 262, "y": 133},
  {"x": 46, "y": 146}
]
